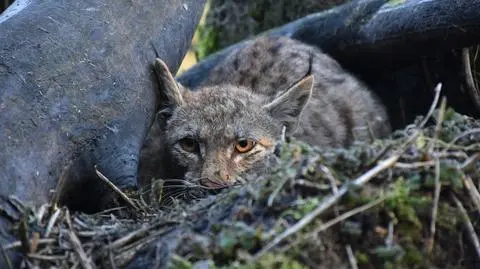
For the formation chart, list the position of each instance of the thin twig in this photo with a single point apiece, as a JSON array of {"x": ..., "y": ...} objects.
[
  {"x": 283, "y": 139},
  {"x": 18, "y": 244},
  {"x": 343, "y": 217},
  {"x": 51, "y": 222},
  {"x": 77, "y": 247},
  {"x": 351, "y": 257},
  {"x": 438, "y": 126},
  {"x": 328, "y": 202},
  {"x": 414, "y": 165},
  {"x": 277, "y": 190},
  {"x": 111, "y": 259},
  {"x": 333, "y": 184},
  {"x": 469, "y": 81},
  {"x": 137, "y": 234},
  {"x": 334, "y": 221},
  {"x": 59, "y": 188},
  {"x": 6, "y": 258},
  {"x": 331, "y": 179},
  {"x": 389, "y": 238},
  {"x": 116, "y": 189},
  {"x": 41, "y": 212},
  {"x": 469, "y": 164},
  {"x": 472, "y": 191},
  {"x": 47, "y": 257},
  {"x": 436, "y": 198},
  {"x": 437, "y": 91},
  {"x": 68, "y": 219},
  {"x": 468, "y": 224},
  {"x": 460, "y": 136}
]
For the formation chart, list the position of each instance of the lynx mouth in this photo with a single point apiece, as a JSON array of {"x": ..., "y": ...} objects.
[{"x": 214, "y": 184}]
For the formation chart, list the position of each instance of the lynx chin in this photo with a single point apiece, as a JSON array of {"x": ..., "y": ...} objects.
[{"x": 233, "y": 121}]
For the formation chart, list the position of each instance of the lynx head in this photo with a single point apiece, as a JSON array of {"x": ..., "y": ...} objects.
[{"x": 214, "y": 134}]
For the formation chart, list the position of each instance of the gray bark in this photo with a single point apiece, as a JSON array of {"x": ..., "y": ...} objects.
[{"x": 77, "y": 90}]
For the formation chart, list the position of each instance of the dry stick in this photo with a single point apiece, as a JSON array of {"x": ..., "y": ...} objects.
[
  {"x": 333, "y": 184},
  {"x": 436, "y": 198},
  {"x": 438, "y": 126},
  {"x": 51, "y": 222},
  {"x": 18, "y": 244},
  {"x": 472, "y": 191},
  {"x": 47, "y": 258},
  {"x": 342, "y": 217},
  {"x": 116, "y": 189},
  {"x": 68, "y": 219},
  {"x": 41, "y": 212},
  {"x": 469, "y": 164},
  {"x": 414, "y": 165},
  {"x": 336, "y": 220},
  {"x": 77, "y": 247},
  {"x": 458, "y": 137},
  {"x": 126, "y": 253},
  {"x": 328, "y": 202},
  {"x": 468, "y": 224},
  {"x": 389, "y": 239},
  {"x": 6, "y": 258},
  {"x": 59, "y": 188},
  {"x": 330, "y": 177},
  {"x": 437, "y": 91},
  {"x": 351, "y": 257},
  {"x": 277, "y": 190},
  {"x": 142, "y": 232},
  {"x": 111, "y": 259},
  {"x": 470, "y": 82}
]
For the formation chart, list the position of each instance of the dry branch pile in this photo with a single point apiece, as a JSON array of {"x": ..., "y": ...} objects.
[{"x": 410, "y": 201}]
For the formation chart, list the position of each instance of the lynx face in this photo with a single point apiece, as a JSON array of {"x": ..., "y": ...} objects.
[{"x": 217, "y": 133}]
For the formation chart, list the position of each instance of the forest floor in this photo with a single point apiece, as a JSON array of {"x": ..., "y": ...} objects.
[{"x": 408, "y": 201}]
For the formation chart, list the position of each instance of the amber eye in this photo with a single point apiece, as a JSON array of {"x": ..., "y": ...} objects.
[
  {"x": 188, "y": 144},
  {"x": 244, "y": 145}
]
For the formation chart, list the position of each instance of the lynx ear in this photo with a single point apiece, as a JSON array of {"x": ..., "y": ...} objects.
[
  {"x": 168, "y": 86},
  {"x": 289, "y": 105}
]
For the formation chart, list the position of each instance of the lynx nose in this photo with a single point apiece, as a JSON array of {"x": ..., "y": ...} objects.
[
  {"x": 218, "y": 179},
  {"x": 224, "y": 175}
]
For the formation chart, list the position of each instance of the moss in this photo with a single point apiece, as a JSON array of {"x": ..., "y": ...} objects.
[
  {"x": 274, "y": 261},
  {"x": 304, "y": 206},
  {"x": 403, "y": 205},
  {"x": 235, "y": 236},
  {"x": 231, "y": 21},
  {"x": 413, "y": 257},
  {"x": 361, "y": 257},
  {"x": 177, "y": 262},
  {"x": 208, "y": 41}
]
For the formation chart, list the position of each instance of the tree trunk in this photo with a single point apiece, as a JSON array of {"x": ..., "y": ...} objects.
[{"x": 77, "y": 90}]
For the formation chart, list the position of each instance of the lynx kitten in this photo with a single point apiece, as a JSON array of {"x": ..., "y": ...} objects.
[{"x": 232, "y": 122}]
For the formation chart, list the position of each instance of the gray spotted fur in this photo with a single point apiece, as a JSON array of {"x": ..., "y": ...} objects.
[
  {"x": 341, "y": 107},
  {"x": 234, "y": 102}
]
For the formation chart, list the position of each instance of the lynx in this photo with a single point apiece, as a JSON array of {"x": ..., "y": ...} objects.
[{"x": 231, "y": 124}]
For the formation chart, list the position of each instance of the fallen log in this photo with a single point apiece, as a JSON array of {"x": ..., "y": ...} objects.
[
  {"x": 388, "y": 44},
  {"x": 77, "y": 91}
]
